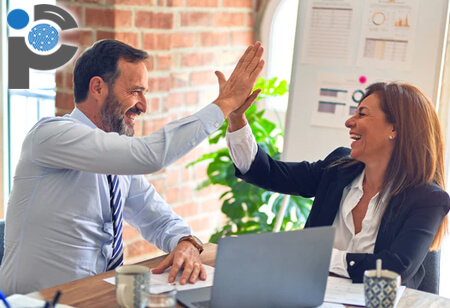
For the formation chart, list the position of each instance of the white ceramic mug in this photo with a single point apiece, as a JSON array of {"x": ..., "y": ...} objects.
[{"x": 130, "y": 279}]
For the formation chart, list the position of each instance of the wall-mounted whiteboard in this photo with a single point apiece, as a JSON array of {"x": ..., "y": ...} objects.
[{"x": 342, "y": 46}]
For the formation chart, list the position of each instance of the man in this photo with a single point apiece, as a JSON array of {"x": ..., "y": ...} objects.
[{"x": 80, "y": 174}]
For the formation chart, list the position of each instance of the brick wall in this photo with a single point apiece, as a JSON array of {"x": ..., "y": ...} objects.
[{"x": 187, "y": 40}]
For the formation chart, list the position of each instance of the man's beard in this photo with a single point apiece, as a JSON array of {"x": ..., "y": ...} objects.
[{"x": 112, "y": 116}]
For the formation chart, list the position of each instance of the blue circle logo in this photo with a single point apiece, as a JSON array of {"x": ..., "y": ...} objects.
[
  {"x": 18, "y": 19},
  {"x": 43, "y": 37}
]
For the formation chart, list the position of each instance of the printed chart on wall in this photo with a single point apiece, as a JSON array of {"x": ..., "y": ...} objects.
[
  {"x": 388, "y": 32},
  {"x": 329, "y": 30},
  {"x": 338, "y": 96}
]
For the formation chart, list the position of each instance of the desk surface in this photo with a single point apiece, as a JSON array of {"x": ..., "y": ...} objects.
[{"x": 94, "y": 292}]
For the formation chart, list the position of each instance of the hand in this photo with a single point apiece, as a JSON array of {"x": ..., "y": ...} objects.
[
  {"x": 237, "y": 119},
  {"x": 233, "y": 93},
  {"x": 187, "y": 256}
]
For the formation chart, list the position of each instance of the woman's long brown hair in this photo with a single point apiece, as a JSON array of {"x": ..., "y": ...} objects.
[{"x": 418, "y": 155}]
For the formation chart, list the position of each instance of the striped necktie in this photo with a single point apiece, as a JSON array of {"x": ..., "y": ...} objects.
[{"x": 116, "y": 210}]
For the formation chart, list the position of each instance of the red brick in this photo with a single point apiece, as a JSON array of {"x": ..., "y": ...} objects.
[
  {"x": 137, "y": 248},
  {"x": 159, "y": 184},
  {"x": 59, "y": 79},
  {"x": 228, "y": 57},
  {"x": 180, "y": 40},
  {"x": 237, "y": 3},
  {"x": 105, "y": 35},
  {"x": 172, "y": 195},
  {"x": 203, "y": 78},
  {"x": 163, "y": 62},
  {"x": 213, "y": 39},
  {"x": 78, "y": 37},
  {"x": 172, "y": 3},
  {"x": 75, "y": 11},
  {"x": 175, "y": 99},
  {"x": 178, "y": 80},
  {"x": 99, "y": 17},
  {"x": 172, "y": 177},
  {"x": 130, "y": 233},
  {"x": 132, "y": 2},
  {"x": 159, "y": 84},
  {"x": 202, "y": 3},
  {"x": 187, "y": 209},
  {"x": 149, "y": 63},
  {"x": 156, "y": 41},
  {"x": 108, "y": 18},
  {"x": 187, "y": 192},
  {"x": 225, "y": 19},
  {"x": 154, "y": 20},
  {"x": 211, "y": 205},
  {"x": 153, "y": 105},
  {"x": 195, "y": 19},
  {"x": 64, "y": 101},
  {"x": 138, "y": 127},
  {"x": 154, "y": 124},
  {"x": 191, "y": 98},
  {"x": 251, "y": 20},
  {"x": 242, "y": 38},
  {"x": 197, "y": 59},
  {"x": 204, "y": 223},
  {"x": 69, "y": 80},
  {"x": 200, "y": 170},
  {"x": 122, "y": 19},
  {"x": 185, "y": 174},
  {"x": 130, "y": 38}
]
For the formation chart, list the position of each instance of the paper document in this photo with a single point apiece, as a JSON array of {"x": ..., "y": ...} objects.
[
  {"x": 343, "y": 291},
  {"x": 164, "y": 278},
  {"x": 18, "y": 300}
]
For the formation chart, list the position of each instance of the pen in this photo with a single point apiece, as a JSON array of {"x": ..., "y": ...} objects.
[
  {"x": 3, "y": 299},
  {"x": 56, "y": 298}
]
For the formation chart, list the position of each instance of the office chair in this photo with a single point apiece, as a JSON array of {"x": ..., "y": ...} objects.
[
  {"x": 430, "y": 282},
  {"x": 2, "y": 238}
]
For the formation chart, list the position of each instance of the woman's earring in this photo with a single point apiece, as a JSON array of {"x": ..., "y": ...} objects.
[{"x": 390, "y": 137}]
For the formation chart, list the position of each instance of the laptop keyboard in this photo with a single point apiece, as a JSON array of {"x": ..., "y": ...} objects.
[{"x": 202, "y": 304}]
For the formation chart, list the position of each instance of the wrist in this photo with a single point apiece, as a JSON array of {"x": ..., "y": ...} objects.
[
  {"x": 224, "y": 107},
  {"x": 195, "y": 241},
  {"x": 236, "y": 122}
]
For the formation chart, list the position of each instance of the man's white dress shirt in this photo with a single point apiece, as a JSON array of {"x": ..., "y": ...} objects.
[
  {"x": 59, "y": 226},
  {"x": 243, "y": 149}
]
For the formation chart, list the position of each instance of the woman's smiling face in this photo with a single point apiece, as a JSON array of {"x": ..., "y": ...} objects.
[{"x": 371, "y": 132}]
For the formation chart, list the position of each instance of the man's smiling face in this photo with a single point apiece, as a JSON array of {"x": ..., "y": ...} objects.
[{"x": 126, "y": 98}]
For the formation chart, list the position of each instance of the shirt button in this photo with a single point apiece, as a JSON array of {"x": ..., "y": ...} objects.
[
  {"x": 193, "y": 142},
  {"x": 352, "y": 263},
  {"x": 216, "y": 125}
]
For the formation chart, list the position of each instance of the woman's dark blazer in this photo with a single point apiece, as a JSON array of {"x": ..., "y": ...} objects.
[{"x": 407, "y": 228}]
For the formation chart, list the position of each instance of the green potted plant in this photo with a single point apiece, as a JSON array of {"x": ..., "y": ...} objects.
[{"x": 250, "y": 209}]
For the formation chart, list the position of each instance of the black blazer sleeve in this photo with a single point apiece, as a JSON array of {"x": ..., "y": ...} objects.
[
  {"x": 406, "y": 232},
  {"x": 293, "y": 178}
]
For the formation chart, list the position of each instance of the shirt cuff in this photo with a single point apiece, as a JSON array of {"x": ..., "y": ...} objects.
[
  {"x": 211, "y": 116},
  {"x": 338, "y": 264},
  {"x": 174, "y": 241},
  {"x": 239, "y": 135}
]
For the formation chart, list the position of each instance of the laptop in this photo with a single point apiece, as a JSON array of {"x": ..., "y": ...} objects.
[{"x": 285, "y": 269}]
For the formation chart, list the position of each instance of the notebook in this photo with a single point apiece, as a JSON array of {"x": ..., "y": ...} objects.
[{"x": 285, "y": 269}]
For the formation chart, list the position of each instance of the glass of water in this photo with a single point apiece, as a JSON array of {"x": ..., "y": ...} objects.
[{"x": 159, "y": 296}]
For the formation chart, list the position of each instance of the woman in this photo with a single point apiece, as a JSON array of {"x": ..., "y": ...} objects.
[{"x": 385, "y": 196}]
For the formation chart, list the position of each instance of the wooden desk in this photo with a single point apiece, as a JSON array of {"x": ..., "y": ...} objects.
[{"x": 94, "y": 292}]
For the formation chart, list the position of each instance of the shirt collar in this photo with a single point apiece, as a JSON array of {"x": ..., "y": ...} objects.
[
  {"x": 358, "y": 181},
  {"x": 358, "y": 184},
  {"x": 80, "y": 116}
]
